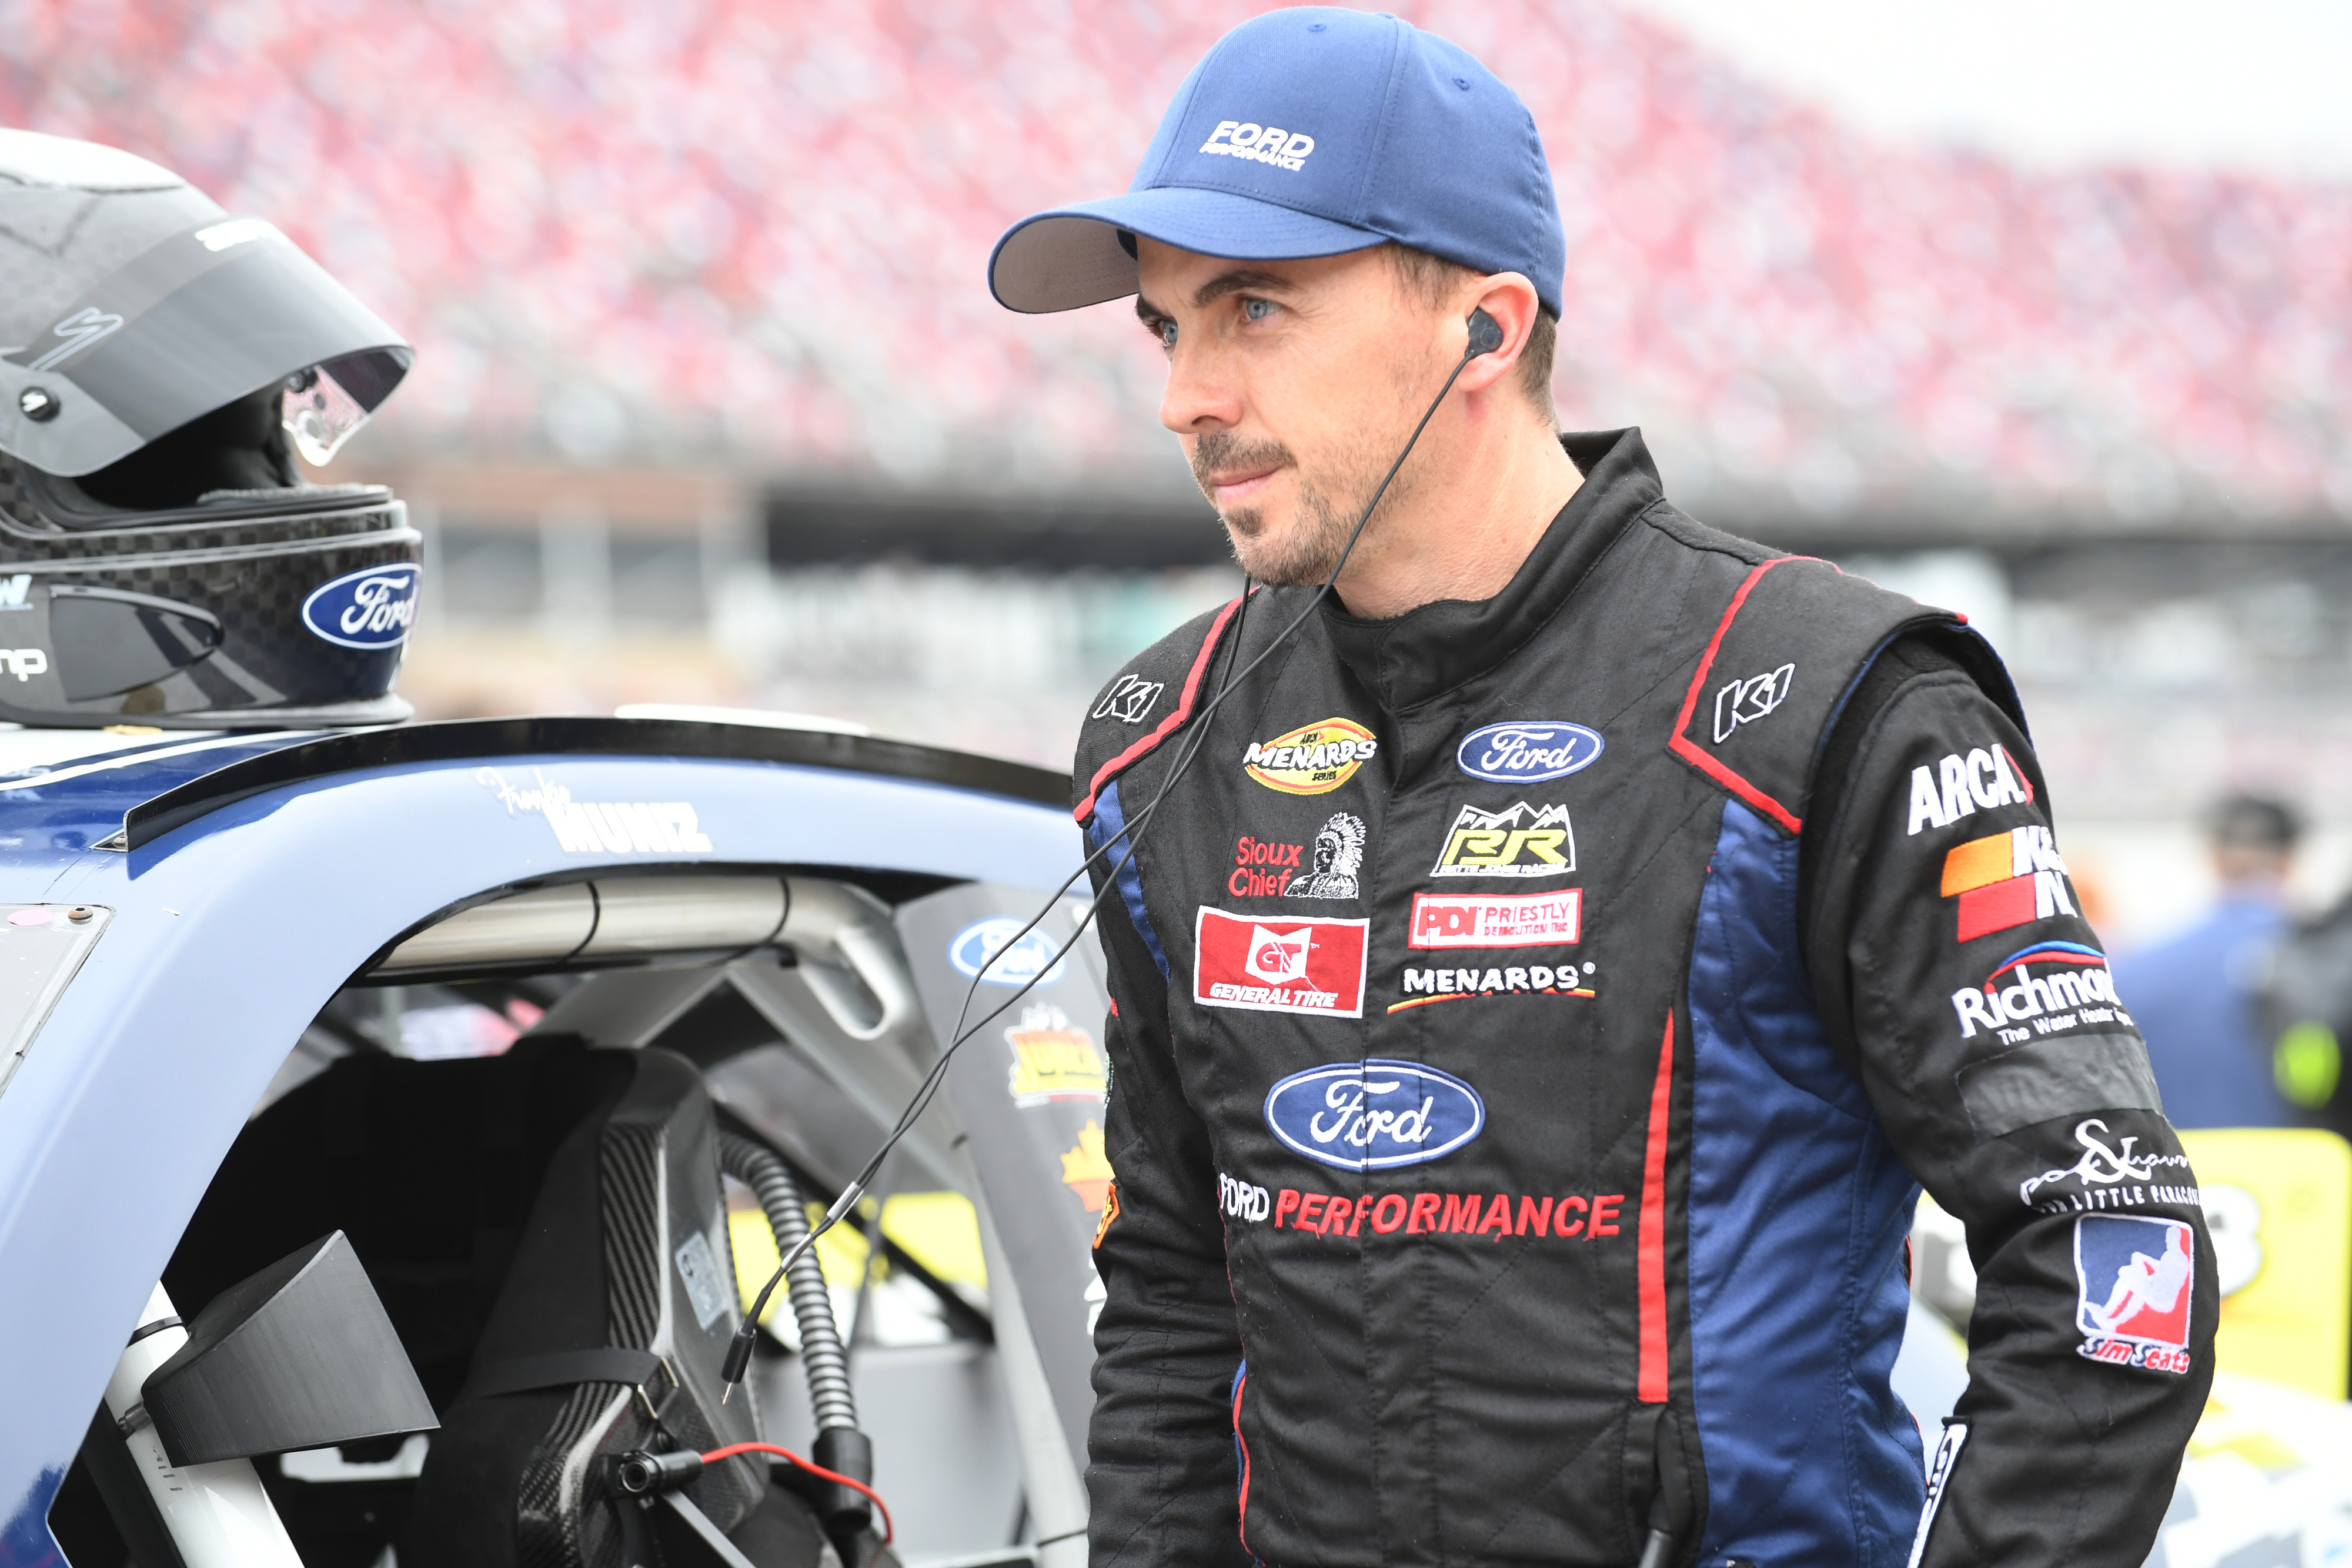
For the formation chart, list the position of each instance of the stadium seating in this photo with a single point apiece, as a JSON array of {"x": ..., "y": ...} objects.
[{"x": 758, "y": 229}]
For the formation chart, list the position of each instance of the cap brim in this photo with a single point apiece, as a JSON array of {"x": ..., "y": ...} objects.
[{"x": 1071, "y": 255}]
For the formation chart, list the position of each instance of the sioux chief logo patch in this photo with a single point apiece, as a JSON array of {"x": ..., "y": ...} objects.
[{"x": 1313, "y": 759}]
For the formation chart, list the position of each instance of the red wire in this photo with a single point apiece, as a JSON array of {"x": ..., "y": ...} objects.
[{"x": 732, "y": 1450}]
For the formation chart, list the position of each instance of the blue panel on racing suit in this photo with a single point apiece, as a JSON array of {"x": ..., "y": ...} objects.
[
  {"x": 1809, "y": 1455},
  {"x": 1108, "y": 826}
]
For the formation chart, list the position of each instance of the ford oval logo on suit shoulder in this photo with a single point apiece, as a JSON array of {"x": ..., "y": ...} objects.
[
  {"x": 1528, "y": 752},
  {"x": 1374, "y": 1114},
  {"x": 371, "y": 608}
]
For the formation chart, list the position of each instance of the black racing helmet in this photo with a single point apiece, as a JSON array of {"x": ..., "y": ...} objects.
[{"x": 163, "y": 562}]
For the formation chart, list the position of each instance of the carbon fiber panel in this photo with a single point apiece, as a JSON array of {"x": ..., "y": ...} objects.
[{"x": 254, "y": 571}]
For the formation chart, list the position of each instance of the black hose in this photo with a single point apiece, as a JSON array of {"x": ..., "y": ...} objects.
[{"x": 830, "y": 1399}]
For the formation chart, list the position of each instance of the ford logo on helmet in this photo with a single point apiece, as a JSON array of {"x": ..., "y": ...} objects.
[
  {"x": 370, "y": 608},
  {"x": 985, "y": 942},
  {"x": 1527, "y": 753},
  {"x": 1374, "y": 1114}
]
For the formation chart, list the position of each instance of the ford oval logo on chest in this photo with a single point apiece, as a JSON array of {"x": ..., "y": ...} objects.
[
  {"x": 1374, "y": 1114},
  {"x": 369, "y": 609},
  {"x": 1527, "y": 753}
]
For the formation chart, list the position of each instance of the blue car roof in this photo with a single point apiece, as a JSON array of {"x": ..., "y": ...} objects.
[
  {"x": 236, "y": 881},
  {"x": 62, "y": 791}
]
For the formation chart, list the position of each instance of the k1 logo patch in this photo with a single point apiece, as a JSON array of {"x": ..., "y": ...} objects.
[
  {"x": 1745, "y": 701},
  {"x": 2134, "y": 1278},
  {"x": 1128, "y": 699},
  {"x": 1311, "y": 964},
  {"x": 1374, "y": 1114}
]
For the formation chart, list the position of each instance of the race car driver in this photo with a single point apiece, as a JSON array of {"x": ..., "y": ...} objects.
[{"x": 1539, "y": 1191}]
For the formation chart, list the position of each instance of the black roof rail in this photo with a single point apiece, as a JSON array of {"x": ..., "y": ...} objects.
[{"x": 548, "y": 735}]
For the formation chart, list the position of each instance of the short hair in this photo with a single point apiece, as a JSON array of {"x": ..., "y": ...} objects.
[
  {"x": 1434, "y": 278},
  {"x": 2248, "y": 822}
]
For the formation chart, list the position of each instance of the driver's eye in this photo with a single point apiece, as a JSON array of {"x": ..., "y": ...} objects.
[
  {"x": 1167, "y": 333},
  {"x": 1257, "y": 310}
]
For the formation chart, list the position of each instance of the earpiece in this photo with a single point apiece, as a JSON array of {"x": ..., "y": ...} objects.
[{"x": 1485, "y": 334}]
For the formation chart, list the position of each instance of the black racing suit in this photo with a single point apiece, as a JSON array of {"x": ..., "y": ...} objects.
[{"x": 1533, "y": 1020}]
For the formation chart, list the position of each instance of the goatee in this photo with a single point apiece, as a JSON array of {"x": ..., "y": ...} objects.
[{"x": 1303, "y": 554}]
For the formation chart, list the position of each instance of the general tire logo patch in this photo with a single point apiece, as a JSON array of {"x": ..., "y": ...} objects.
[{"x": 1311, "y": 964}]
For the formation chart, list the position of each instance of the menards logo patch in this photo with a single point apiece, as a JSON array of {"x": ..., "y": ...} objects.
[{"x": 1312, "y": 759}]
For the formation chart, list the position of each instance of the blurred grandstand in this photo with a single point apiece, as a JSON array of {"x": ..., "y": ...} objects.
[
  {"x": 699, "y": 284},
  {"x": 757, "y": 230}
]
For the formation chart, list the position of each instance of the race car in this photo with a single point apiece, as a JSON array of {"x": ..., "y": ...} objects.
[{"x": 381, "y": 1111}]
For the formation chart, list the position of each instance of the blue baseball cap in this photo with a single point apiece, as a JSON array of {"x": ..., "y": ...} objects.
[{"x": 1312, "y": 131}]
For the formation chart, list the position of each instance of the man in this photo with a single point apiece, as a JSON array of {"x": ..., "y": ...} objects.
[
  {"x": 2193, "y": 994},
  {"x": 1705, "y": 897}
]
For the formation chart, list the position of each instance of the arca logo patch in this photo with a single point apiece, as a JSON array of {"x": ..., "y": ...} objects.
[
  {"x": 1314, "y": 758},
  {"x": 1963, "y": 784},
  {"x": 1311, "y": 963}
]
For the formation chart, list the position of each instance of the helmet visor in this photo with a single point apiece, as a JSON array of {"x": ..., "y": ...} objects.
[{"x": 198, "y": 321}]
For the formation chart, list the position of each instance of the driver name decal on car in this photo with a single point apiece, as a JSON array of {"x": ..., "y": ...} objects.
[
  {"x": 601, "y": 827},
  {"x": 370, "y": 608}
]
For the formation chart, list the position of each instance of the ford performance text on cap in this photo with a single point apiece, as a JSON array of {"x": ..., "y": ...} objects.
[{"x": 1309, "y": 132}]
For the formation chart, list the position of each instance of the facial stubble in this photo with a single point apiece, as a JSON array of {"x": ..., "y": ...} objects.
[{"x": 1303, "y": 553}]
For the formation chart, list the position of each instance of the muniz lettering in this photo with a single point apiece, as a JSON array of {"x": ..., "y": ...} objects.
[{"x": 589, "y": 826}]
